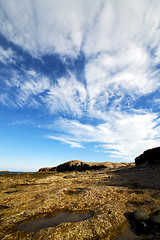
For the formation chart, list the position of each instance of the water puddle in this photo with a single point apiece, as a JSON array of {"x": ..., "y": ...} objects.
[{"x": 41, "y": 223}]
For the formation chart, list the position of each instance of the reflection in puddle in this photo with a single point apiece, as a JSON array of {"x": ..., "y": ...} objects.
[
  {"x": 41, "y": 223},
  {"x": 79, "y": 189}
]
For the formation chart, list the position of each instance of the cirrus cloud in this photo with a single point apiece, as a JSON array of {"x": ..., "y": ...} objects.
[{"x": 92, "y": 65}]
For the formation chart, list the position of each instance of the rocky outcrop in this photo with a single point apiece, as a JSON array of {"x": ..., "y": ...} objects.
[
  {"x": 76, "y": 165},
  {"x": 46, "y": 169},
  {"x": 149, "y": 157}
]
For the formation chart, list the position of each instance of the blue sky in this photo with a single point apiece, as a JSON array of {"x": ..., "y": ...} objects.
[{"x": 78, "y": 80}]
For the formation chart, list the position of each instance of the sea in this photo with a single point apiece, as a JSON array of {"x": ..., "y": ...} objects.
[{"x": 2, "y": 172}]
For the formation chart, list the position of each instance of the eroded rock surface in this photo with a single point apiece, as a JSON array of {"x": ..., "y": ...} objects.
[
  {"x": 109, "y": 192},
  {"x": 76, "y": 165}
]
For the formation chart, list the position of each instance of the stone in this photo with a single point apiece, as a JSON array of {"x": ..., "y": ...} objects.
[
  {"x": 154, "y": 224},
  {"x": 149, "y": 157},
  {"x": 140, "y": 215},
  {"x": 76, "y": 165},
  {"x": 155, "y": 219},
  {"x": 44, "y": 169},
  {"x": 157, "y": 212}
]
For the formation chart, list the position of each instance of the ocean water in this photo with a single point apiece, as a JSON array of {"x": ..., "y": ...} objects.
[{"x": 5, "y": 172}]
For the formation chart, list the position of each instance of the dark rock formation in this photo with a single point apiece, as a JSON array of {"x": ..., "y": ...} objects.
[
  {"x": 142, "y": 223},
  {"x": 45, "y": 169},
  {"x": 149, "y": 157},
  {"x": 154, "y": 224},
  {"x": 52, "y": 169},
  {"x": 76, "y": 165}
]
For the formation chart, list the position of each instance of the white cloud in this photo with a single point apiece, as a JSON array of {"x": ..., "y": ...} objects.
[
  {"x": 43, "y": 27},
  {"x": 113, "y": 75},
  {"x": 6, "y": 56},
  {"x": 116, "y": 38},
  {"x": 68, "y": 95},
  {"x": 24, "y": 88},
  {"x": 124, "y": 135},
  {"x": 121, "y": 23},
  {"x": 73, "y": 144},
  {"x": 66, "y": 27},
  {"x": 121, "y": 44}
]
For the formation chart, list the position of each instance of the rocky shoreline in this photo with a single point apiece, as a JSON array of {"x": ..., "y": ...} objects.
[
  {"x": 76, "y": 165},
  {"x": 109, "y": 193}
]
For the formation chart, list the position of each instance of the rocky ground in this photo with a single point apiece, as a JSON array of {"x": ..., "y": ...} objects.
[{"x": 108, "y": 193}]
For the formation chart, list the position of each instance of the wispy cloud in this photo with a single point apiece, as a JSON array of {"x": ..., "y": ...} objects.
[
  {"x": 120, "y": 45},
  {"x": 68, "y": 95},
  {"x": 47, "y": 27},
  {"x": 64, "y": 139},
  {"x": 123, "y": 135},
  {"x": 6, "y": 56}
]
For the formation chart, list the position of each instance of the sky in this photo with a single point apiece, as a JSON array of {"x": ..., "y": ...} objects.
[{"x": 78, "y": 80}]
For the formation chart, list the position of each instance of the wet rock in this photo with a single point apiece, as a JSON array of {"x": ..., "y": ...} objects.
[
  {"x": 157, "y": 212},
  {"x": 141, "y": 223},
  {"x": 138, "y": 221},
  {"x": 154, "y": 224},
  {"x": 140, "y": 215},
  {"x": 155, "y": 219}
]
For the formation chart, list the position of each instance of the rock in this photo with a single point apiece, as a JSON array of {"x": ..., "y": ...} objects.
[
  {"x": 45, "y": 169},
  {"x": 149, "y": 157},
  {"x": 157, "y": 212},
  {"x": 155, "y": 219},
  {"x": 154, "y": 224},
  {"x": 52, "y": 169},
  {"x": 141, "y": 223},
  {"x": 77, "y": 165},
  {"x": 140, "y": 215}
]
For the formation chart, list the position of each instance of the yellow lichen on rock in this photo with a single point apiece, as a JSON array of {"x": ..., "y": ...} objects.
[{"x": 108, "y": 193}]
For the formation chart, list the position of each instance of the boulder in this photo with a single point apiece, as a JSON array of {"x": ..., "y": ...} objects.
[
  {"x": 142, "y": 223},
  {"x": 149, "y": 157},
  {"x": 140, "y": 215}
]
